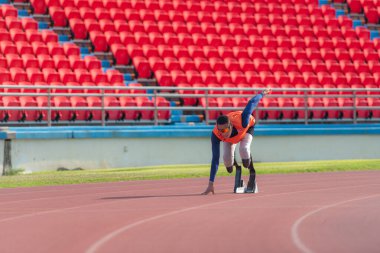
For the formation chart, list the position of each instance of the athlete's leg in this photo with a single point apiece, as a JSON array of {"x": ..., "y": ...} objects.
[
  {"x": 229, "y": 155},
  {"x": 245, "y": 153},
  {"x": 251, "y": 187},
  {"x": 245, "y": 150}
]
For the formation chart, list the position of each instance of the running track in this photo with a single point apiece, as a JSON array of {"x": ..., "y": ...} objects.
[{"x": 325, "y": 212}]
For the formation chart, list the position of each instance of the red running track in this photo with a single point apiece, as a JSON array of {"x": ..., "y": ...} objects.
[{"x": 311, "y": 212}]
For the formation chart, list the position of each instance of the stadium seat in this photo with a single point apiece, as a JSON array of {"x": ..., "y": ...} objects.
[
  {"x": 345, "y": 103},
  {"x": 374, "y": 102},
  {"x": 286, "y": 113},
  {"x": 269, "y": 114},
  {"x": 39, "y": 7},
  {"x": 34, "y": 75},
  {"x": 210, "y": 114},
  {"x": 162, "y": 102},
  {"x": 18, "y": 75},
  {"x": 145, "y": 114},
  {"x": 12, "y": 115},
  {"x": 316, "y": 113},
  {"x": 58, "y": 16}
]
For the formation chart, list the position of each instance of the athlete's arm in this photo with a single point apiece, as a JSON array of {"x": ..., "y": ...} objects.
[
  {"x": 251, "y": 105},
  {"x": 215, "y": 143}
]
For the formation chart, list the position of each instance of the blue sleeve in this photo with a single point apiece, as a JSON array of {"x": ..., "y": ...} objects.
[
  {"x": 248, "y": 110},
  {"x": 215, "y": 142}
]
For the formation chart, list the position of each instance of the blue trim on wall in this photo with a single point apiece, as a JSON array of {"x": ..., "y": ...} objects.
[{"x": 175, "y": 131}]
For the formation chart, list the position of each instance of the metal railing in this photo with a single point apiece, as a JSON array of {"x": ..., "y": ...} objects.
[{"x": 204, "y": 108}]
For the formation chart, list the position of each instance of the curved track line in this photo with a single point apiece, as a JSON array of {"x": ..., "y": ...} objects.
[
  {"x": 295, "y": 234},
  {"x": 98, "y": 244}
]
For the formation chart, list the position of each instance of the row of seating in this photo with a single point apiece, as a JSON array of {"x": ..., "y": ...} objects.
[
  {"x": 222, "y": 6},
  {"x": 288, "y": 89},
  {"x": 247, "y": 35},
  {"x": 38, "y": 48},
  {"x": 63, "y": 75},
  {"x": 12, "y": 22},
  {"x": 88, "y": 114},
  {"x": 45, "y": 61},
  {"x": 192, "y": 78},
  {"x": 60, "y": 16},
  {"x": 179, "y": 57},
  {"x": 328, "y": 108}
]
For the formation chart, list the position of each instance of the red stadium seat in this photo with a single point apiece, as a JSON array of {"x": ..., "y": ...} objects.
[
  {"x": 66, "y": 75},
  {"x": 163, "y": 78},
  {"x": 17, "y": 35},
  {"x": 14, "y": 61},
  {"x": 45, "y": 61},
  {"x": 18, "y": 75},
  {"x": 332, "y": 113},
  {"x": 82, "y": 75},
  {"x": 71, "y": 12},
  {"x": 210, "y": 114},
  {"x": 81, "y": 115},
  {"x": 60, "y": 61},
  {"x": 24, "y": 48},
  {"x": 30, "y": 115},
  {"x": 78, "y": 27},
  {"x": 193, "y": 77},
  {"x": 12, "y": 115},
  {"x": 92, "y": 62},
  {"x": 13, "y": 23},
  {"x": 202, "y": 64},
  {"x": 162, "y": 102},
  {"x": 35, "y": 75},
  {"x": 51, "y": 75},
  {"x": 114, "y": 115},
  {"x": 8, "y": 11},
  {"x": 374, "y": 102},
  {"x": 30, "y": 61},
  {"x": 347, "y": 113},
  {"x": 39, "y": 7},
  {"x": 269, "y": 114},
  {"x": 87, "y": 13},
  {"x": 114, "y": 76},
  {"x": 49, "y": 36},
  {"x": 64, "y": 115},
  {"x": 315, "y": 113},
  {"x": 58, "y": 16},
  {"x": 286, "y": 113},
  {"x": 71, "y": 49},
  {"x": 99, "y": 41},
  {"x": 145, "y": 102},
  {"x": 76, "y": 62}
]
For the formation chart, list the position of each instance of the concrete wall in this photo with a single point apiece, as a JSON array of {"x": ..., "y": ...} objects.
[
  {"x": 107, "y": 153},
  {"x": 117, "y": 148}
]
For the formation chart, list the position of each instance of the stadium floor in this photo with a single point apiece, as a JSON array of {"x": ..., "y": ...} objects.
[{"x": 311, "y": 212}]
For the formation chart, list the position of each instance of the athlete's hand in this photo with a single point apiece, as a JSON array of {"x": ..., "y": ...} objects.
[
  {"x": 210, "y": 188},
  {"x": 267, "y": 91}
]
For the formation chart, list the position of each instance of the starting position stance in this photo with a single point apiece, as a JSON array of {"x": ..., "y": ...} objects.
[{"x": 235, "y": 127}]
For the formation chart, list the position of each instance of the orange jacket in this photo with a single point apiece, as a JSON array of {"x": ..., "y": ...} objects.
[{"x": 235, "y": 119}]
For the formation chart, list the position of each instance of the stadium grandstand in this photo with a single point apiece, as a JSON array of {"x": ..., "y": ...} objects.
[{"x": 73, "y": 62}]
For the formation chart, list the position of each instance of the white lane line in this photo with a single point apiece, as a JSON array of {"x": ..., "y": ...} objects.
[
  {"x": 295, "y": 227},
  {"x": 108, "y": 237}
]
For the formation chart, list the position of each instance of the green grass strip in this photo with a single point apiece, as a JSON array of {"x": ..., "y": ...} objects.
[{"x": 45, "y": 178}]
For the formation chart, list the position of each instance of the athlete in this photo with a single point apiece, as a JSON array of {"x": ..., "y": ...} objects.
[{"x": 235, "y": 127}]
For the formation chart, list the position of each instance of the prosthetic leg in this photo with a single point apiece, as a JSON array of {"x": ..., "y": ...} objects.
[
  {"x": 252, "y": 186},
  {"x": 239, "y": 183}
]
